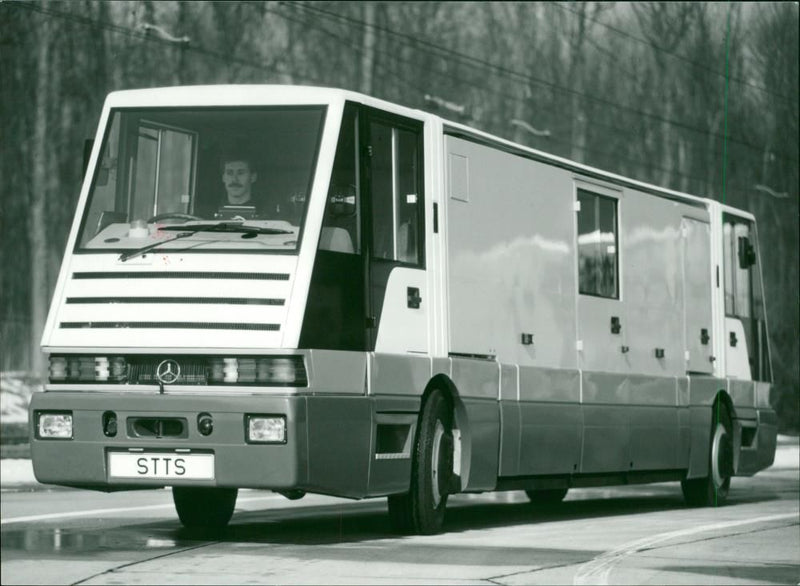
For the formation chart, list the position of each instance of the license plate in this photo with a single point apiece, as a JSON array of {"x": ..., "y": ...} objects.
[{"x": 161, "y": 465}]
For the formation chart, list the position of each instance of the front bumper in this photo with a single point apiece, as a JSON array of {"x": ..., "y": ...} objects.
[
  {"x": 329, "y": 445},
  {"x": 760, "y": 453}
]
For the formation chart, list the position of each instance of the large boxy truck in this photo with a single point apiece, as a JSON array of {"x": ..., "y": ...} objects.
[{"x": 405, "y": 307}]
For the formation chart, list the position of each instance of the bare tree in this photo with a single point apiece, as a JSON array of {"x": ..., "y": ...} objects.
[
  {"x": 40, "y": 182},
  {"x": 666, "y": 25},
  {"x": 368, "y": 53},
  {"x": 775, "y": 197}
]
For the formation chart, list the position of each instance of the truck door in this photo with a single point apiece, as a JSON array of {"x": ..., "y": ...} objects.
[
  {"x": 746, "y": 347},
  {"x": 697, "y": 322},
  {"x": 397, "y": 299},
  {"x": 602, "y": 327},
  {"x": 602, "y": 323},
  {"x": 368, "y": 289}
]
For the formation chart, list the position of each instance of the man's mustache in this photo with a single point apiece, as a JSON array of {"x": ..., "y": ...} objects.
[{"x": 235, "y": 185}]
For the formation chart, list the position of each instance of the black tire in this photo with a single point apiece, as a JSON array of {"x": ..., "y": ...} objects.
[
  {"x": 548, "y": 496},
  {"x": 421, "y": 510},
  {"x": 204, "y": 508},
  {"x": 712, "y": 491},
  {"x": 400, "y": 512}
]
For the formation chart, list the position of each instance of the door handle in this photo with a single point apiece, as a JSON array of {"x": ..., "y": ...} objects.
[
  {"x": 413, "y": 298},
  {"x": 733, "y": 339},
  {"x": 616, "y": 326}
]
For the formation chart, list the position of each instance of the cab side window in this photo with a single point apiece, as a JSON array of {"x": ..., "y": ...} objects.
[
  {"x": 744, "y": 296},
  {"x": 396, "y": 177},
  {"x": 341, "y": 226}
]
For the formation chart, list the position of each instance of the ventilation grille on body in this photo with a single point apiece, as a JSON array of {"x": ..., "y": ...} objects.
[
  {"x": 191, "y": 300},
  {"x": 180, "y": 275},
  {"x": 180, "y": 325},
  {"x": 183, "y": 317}
]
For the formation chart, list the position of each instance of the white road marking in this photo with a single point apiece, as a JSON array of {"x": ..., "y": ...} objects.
[
  {"x": 598, "y": 570},
  {"x": 98, "y": 512}
]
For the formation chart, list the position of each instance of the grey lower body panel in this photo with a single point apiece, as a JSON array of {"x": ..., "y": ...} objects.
[
  {"x": 342, "y": 445},
  {"x": 759, "y": 440}
]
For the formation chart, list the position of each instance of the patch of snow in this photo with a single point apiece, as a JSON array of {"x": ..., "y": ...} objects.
[
  {"x": 16, "y": 389},
  {"x": 13, "y": 408},
  {"x": 16, "y": 472}
]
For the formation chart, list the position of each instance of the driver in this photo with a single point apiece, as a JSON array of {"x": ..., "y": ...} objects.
[
  {"x": 238, "y": 177},
  {"x": 241, "y": 202}
]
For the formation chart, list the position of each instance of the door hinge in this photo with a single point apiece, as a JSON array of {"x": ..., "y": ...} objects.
[{"x": 372, "y": 321}]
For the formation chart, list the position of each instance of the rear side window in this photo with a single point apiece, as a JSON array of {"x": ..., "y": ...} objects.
[{"x": 598, "y": 243}]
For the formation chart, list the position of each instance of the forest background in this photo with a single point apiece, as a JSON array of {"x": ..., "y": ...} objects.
[{"x": 697, "y": 97}]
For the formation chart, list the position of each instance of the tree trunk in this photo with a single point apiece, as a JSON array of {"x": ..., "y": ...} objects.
[
  {"x": 667, "y": 161},
  {"x": 39, "y": 182},
  {"x": 368, "y": 55}
]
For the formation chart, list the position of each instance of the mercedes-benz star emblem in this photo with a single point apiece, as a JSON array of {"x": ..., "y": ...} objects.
[{"x": 168, "y": 372}]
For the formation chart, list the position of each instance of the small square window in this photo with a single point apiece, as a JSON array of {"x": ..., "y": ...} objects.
[{"x": 598, "y": 264}]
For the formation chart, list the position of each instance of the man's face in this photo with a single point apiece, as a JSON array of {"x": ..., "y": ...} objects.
[{"x": 238, "y": 180}]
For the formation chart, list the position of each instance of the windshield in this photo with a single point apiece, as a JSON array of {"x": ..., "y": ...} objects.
[{"x": 161, "y": 169}]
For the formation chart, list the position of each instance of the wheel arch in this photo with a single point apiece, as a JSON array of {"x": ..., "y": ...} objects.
[
  {"x": 723, "y": 398},
  {"x": 461, "y": 428},
  {"x": 702, "y": 422}
]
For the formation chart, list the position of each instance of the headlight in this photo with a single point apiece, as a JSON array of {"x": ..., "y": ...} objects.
[
  {"x": 58, "y": 369},
  {"x": 281, "y": 370},
  {"x": 286, "y": 371},
  {"x": 87, "y": 369},
  {"x": 266, "y": 429},
  {"x": 101, "y": 370},
  {"x": 54, "y": 425},
  {"x": 118, "y": 369}
]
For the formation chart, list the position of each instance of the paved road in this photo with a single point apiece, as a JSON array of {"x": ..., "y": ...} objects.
[{"x": 629, "y": 535}]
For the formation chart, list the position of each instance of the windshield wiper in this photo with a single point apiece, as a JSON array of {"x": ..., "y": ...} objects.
[
  {"x": 186, "y": 231},
  {"x": 226, "y": 227}
]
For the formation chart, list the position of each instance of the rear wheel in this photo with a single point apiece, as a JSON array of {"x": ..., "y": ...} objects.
[
  {"x": 421, "y": 510},
  {"x": 204, "y": 508},
  {"x": 549, "y": 496},
  {"x": 713, "y": 489}
]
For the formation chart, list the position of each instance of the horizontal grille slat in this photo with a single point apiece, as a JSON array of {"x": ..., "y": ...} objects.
[
  {"x": 188, "y": 300},
  {"x": 169, "y": 325},
  {"x": 180, "y": 275}
]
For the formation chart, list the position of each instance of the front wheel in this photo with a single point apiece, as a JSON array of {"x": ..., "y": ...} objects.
[
  {"x": 713, "y": 489},
  {"x": 421, "y": 509},
  {"x": 204, "y": 508}
]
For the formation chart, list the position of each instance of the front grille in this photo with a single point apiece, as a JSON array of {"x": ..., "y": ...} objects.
[
  {"x": 142, "y": 370},
  {"x": 157, "y": 427}
]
